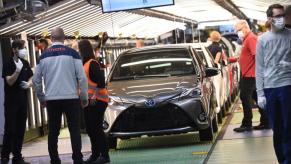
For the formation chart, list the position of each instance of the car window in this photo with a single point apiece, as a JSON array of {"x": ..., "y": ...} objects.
[
  {"x": 209, "y": 57},
  {"x": 153, "y": 64},
  {"x": 207, "y": 60}
]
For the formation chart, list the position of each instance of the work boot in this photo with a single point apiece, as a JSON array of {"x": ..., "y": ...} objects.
[
  {"x": 242, "y": 129},
  {"x": 19, "y": 161},
  {"x": 102, "y": 160},
  {"x": 261, "y": 127},
  {"x": 56, "y": 161},
  {"x": 79, "y": 162},
  {"x": 91, "y": 159},
  {"x": 4, "y": 160}
]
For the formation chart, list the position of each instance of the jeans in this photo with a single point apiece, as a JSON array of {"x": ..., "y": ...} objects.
[
  {"x": 94, "y": 116},
  {"x": 14, "y": 129},
  {"x": 55, "y": 109},
  {"x": 279, "y": 109}
]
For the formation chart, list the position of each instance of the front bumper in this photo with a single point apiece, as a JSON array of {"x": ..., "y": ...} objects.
[{"x": 171, "y": 117}]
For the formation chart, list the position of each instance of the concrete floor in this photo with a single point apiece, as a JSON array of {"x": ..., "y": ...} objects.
[{"x": 239, "y": 148}]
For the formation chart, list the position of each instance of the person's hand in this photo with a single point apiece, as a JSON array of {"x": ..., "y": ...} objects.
[
  {"x": 84, "y": 103},
  {"x": 25, "y": 85},
  {"x": 262, "y": 102},
  {"x": 92, "y": 102},
  {"x": 18, "y": 65}
]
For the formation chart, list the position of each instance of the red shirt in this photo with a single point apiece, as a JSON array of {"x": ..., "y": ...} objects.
[{"x": 247, "y": 57}]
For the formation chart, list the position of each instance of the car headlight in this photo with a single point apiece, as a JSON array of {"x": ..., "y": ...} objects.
[
  {"x": 192, "y": 93},
  {"x": 115, "y": 100}
]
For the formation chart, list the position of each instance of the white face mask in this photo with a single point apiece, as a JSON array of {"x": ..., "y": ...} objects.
[
  {"x": 240, "y": 35},
  {"x": 22, "y": 53},
  {"x": 278, "y": 23}
]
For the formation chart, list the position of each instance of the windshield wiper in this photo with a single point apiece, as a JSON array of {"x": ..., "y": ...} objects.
[
  {"x": 124, "y": 78},
  {"x": 140, "y": 76},
  {"x": 158, "y": 75}
]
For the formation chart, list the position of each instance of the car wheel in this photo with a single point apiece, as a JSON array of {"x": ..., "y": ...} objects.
[
  {"x": 219, "y": 117},
  {"x": 206, "y": 134},
  {"x": 112, "y": 142},
  {"x": 215, "y": 123},
  {"x": 223, "y": 110}
]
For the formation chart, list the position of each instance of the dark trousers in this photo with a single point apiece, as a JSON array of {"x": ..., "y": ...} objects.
[
  {"x": 94, "y": 116},
  {"x": 279, "y": 109},
  {"x": 247, "y": 96},
  {"x": 71, "y": 108},
  {"x": 14, "y": 129}
]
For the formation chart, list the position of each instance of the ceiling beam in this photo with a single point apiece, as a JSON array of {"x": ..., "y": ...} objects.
[{"x": 232, "y": 8}]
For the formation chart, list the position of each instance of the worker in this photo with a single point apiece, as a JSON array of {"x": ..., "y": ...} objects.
[
  {"x": 214, "y": 47},
  {"x": 66, "y": 88},
  {"x": 98, "y": 102},
  {"x": 248, "y": 82},
  {"x": 17, "y": 75}
]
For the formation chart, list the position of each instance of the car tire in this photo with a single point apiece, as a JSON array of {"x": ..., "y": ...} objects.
[
  {"x": 215, "y": 123},
  {"x": 223, "y": 110},
  {"x": 220, "y": 117},
  {"x": 112, "y": 142},
  {"x": 206, "y": 134}
]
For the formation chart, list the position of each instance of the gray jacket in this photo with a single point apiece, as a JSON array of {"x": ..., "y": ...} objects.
[
  {"x": 61, "y": 69},
  {"x": 273, "y": 60}
]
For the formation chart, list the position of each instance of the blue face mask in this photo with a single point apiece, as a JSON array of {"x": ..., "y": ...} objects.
[{"x": 278, "y": 23}]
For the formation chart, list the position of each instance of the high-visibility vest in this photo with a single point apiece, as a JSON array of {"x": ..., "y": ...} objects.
[{"x": 93, "y": 90}]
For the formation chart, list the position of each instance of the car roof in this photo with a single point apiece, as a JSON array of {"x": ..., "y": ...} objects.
[{"x": 168, "y": 47}]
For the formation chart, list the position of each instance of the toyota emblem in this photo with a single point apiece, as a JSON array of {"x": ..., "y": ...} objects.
[{"x": 150, "y": 103}]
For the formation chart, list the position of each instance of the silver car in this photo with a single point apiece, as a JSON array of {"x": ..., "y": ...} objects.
[{"x": 160, "y": 90}]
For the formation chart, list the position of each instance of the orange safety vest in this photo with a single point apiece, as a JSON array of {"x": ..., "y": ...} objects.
[{"x": 93, "y": 90}]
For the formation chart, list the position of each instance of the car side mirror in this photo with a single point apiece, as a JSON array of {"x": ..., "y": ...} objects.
[{"x": 211, "y": 72}]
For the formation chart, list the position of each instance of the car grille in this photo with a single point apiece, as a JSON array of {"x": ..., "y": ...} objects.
[{"x": 135, "y": 119}]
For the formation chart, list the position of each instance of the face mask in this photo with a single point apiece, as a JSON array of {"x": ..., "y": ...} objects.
[
  {"x": 240, "y": 35},
  {"x": 278, "y": 23},
  {"x": 22, "y": 53}
]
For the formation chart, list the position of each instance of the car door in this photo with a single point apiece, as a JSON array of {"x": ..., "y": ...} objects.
[{"x": 206, "y": 82}]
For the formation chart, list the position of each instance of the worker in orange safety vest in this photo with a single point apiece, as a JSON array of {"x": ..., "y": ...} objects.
[{"x": 98, "y": 102}]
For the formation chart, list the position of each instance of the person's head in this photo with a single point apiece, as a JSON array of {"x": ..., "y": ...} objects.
[
  {"x": 288, "y": 14},
  {"x": 86, "y": 50},
  {"x": 43, "y": 44},
  {"x": 275, "y": 14},
  {"x": 242, "y": 28},
  {"x": 57, "y": 35},
  {"x": 18, "y": 49},
  {"x": 215, "y": 36}
]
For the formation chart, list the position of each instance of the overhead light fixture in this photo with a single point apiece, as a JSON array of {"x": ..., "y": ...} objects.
[{"x": 30, "y": 8}]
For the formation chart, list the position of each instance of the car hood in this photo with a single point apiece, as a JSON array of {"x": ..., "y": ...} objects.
[{"x": 142, "y": 89}]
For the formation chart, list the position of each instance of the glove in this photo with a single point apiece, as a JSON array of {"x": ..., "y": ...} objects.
[
  {"x": 262, "y": 102},
  {"x": 18, "y": 65},
  {"x": 24, "y": 85}
]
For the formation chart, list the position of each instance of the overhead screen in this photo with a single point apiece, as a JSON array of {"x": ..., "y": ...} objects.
[{"x": 119, "y": 5}]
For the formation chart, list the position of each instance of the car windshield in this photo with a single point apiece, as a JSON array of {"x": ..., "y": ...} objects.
[{"x": 153, "y": 65}]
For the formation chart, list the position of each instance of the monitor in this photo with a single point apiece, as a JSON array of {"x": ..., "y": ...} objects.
[{"x": 119, "y": 5}]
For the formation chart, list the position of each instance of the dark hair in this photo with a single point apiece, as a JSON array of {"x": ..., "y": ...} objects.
[
  {"x": 288, "y": 10},
  {"x": 43, "y": 41},
  {"x": 273, "y": 6},
  {"x": 86, "y": 50},
  {"x": 18, "y": 44}
]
